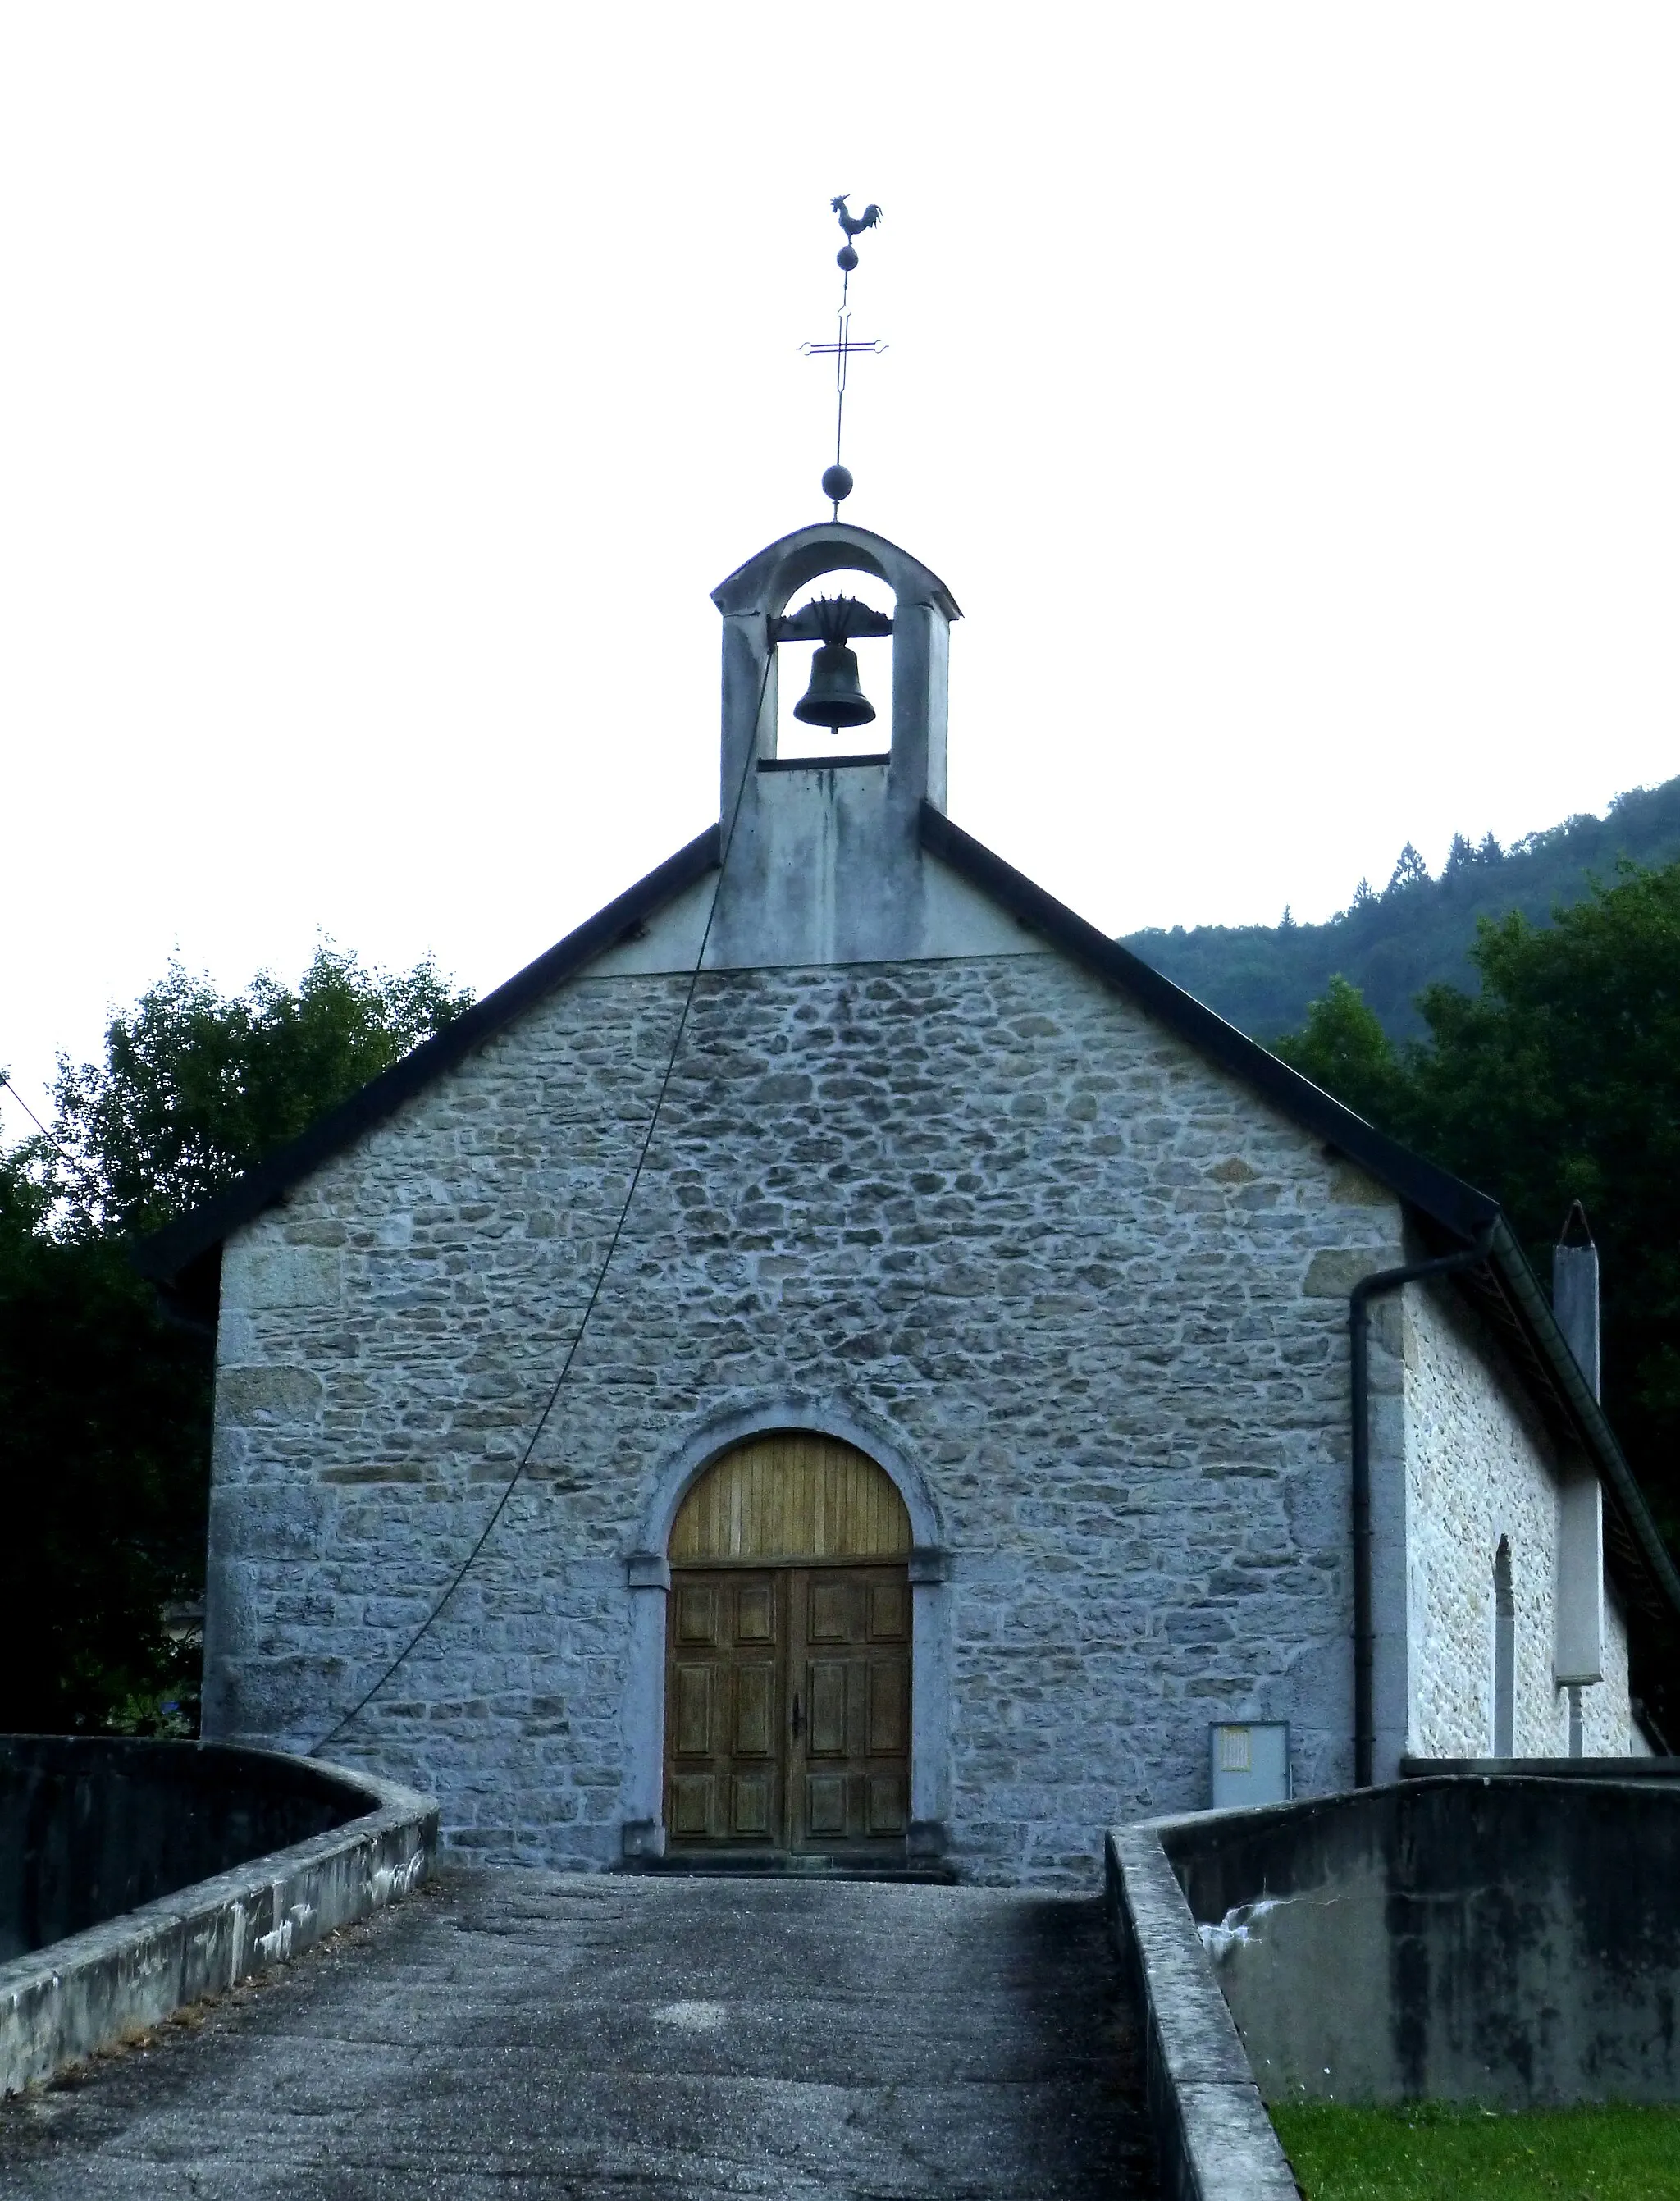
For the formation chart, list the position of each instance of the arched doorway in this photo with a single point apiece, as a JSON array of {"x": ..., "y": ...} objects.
[{"x": 788, "y": 1653}]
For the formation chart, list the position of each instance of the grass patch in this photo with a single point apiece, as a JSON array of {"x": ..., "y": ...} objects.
[{"x": 1434, "y": 2151}]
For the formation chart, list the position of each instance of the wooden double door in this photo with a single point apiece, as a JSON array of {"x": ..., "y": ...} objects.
[{"x": 788, "y": 1708}]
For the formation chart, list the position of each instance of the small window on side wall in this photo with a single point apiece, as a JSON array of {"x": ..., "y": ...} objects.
[{"x": 1504, "y": 1654}]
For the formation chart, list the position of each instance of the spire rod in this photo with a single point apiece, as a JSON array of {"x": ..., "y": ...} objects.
[{"x": 836, "y": 480}]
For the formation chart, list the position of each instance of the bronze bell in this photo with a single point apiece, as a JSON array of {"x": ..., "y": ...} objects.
[{"x": 834, "y": 698}]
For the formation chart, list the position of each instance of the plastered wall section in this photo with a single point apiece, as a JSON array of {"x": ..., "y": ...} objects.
[
  {"x": 1095, "y": 1289},
  {"x": 1480, "y": 1466}
]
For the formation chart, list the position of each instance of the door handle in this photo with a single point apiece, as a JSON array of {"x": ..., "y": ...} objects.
[{"x": 796, "y": 1720}]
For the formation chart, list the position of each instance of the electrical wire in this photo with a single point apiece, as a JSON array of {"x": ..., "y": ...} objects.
[
  {"x": 484, "y": 1534},
  {"x": 89, "y": 1176},
  {"x": 30, "y": 1112}
]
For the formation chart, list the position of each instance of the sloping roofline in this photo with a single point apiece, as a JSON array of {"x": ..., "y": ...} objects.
[
  {"x": 1512, "y": 1295},
  {"x": 181, "y": 1255}
]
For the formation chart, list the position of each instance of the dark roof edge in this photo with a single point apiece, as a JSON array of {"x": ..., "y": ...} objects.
[
  {"x": 1446, "y": 1198},
  {"x": 168, "y": 1251},
  {"x": 1456, "y": 1205}
]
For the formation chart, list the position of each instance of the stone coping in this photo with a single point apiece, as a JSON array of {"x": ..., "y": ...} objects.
[
  {"x": 1544, "y": 1769},
  {"x": 1213, "y": 2138},
  {"x": 127, "y": 1974}
]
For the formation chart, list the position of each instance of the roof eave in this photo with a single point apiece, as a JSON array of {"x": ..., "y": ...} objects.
[
  {"x": 1458, "y": 1208},
  {"x": 1592, "y": 1423}
]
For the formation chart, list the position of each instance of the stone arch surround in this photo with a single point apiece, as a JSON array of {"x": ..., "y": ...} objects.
[{"x": 648, "y": 1583}]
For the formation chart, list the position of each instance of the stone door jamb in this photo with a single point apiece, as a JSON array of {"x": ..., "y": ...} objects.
[{"x": 647, "y": 1582}]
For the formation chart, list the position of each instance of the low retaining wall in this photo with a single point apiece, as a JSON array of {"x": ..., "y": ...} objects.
[
  {"x": 93, "y": 1825},
  {"x": 1511, "y": 1939},
  {"x": 1212, "y": 2136},
  {"x": 126, "y": 1975}
]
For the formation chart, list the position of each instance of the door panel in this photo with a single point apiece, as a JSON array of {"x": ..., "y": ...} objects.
[
  {"x": 889, "y": 1612},
  {"x": 751, "y": 1794},
  {"x": 756, "y": 1612},
  {"x": 888, "y": 1722},
  {"x": 825, "y": 1730},
  {"x": 696, "y": 1612},
  {"x": 755, "y": 1734},
  {"x": 693, "y": 1711},
  {"x": 788, "y": 1707},
  {"x": 829, "y": 1599},
  {"x": 726, "y": 1666},
  {"x": 886, "y": 1799},
  {"x": 825, "y": 1807},
  {"x": 848, "y": 1650},
  {"x": 690, "y": 1813}
]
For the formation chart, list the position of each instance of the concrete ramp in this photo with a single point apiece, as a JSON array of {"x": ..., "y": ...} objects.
[{"x": 535, "y": 2034}]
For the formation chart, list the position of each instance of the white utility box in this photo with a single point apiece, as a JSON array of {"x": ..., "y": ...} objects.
[{"x": 1250, "y": 1763}]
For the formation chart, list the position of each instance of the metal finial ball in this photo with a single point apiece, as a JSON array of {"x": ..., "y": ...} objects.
[
  {"x": 846, "y": 257},
  {"x": 837, "y": 483}
]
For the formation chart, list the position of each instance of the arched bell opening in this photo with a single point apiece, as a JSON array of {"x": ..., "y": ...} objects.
[
  {"x": 789, "y": 1654},
  {"x": 801, "y": 731},
  {"x": 755, "y": 600}
]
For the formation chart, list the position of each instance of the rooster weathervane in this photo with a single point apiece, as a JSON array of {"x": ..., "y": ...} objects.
[
  {"x": 854, "y": 224},
  {"x": 836, "y": 480}
]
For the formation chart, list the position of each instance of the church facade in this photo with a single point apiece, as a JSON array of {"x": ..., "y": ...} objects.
[{"x": 986, "y": 1375}]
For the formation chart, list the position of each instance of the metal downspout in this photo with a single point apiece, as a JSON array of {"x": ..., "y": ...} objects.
[{"x": 1379, "y": 1282}]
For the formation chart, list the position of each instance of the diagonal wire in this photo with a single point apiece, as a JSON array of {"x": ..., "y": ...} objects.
[
  {"x": 89, "y": 1176},
  {"x": 462, "y": 1571},
  {"x": 5, "y": 1080}
]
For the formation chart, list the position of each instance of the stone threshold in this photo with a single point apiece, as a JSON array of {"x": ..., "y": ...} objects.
[{"x": 782, "y": 1864}]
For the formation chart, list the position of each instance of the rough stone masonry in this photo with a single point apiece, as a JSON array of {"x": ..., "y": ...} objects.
[
  {"x": 1080, "y": 1273},
  {"x": 937, "y": 1170}
]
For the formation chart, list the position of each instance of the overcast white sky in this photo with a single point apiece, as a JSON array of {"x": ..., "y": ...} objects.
[{"x": 1288, "y": 394}]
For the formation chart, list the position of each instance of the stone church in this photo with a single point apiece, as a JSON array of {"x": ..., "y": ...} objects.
[{"x": 838, "y": 1360}]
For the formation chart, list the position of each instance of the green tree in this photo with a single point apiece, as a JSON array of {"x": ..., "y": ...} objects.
[
  {"x": 1559, "y": 1080},
  {"x": 104, "y": 1400},
  {"x": 1458, "y": 856},
  {"x": 1410, "y": 871},
  {"x": 1342, "y": 1047},
  {"x": 103, "y": 1407},
  {"x": 196, "y": 1086}
]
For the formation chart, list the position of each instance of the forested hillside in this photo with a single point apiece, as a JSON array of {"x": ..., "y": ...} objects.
[{"x": 1418, "y": 931}]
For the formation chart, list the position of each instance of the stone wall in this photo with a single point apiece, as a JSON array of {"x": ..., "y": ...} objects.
[
  {"x": 1095, "y": 1289},
  {"x": 1480, "y": 1466}
]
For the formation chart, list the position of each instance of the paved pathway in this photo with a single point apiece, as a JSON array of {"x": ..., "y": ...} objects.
[{"x": 533, "y": 2034}]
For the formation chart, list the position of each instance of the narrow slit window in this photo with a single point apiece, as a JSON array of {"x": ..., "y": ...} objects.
[{"x": 1504, "y": 1654}]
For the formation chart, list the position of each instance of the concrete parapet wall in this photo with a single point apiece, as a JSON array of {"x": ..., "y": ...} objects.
[
  {"x": 1512, "y": 1939},
  {"x": 128, "y": 1974},
  {"x": 1213, "y": 2138},
  {"x": 91, "y": 1825}
]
